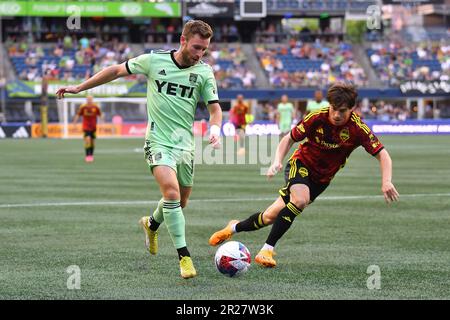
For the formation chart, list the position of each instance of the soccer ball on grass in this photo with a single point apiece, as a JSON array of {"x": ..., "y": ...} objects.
[{"x": 232, "y": 259}]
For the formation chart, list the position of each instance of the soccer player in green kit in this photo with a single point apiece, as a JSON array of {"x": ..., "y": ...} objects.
[
  {"x": 285, "y": 115},
  {"x": 177, "y": 80}
]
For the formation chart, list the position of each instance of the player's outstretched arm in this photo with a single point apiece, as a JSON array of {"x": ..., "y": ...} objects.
[
  {"x": 283, "y": 148},
  {"x": 106, "y": 75},
  {"x": 215, "y": 121},
  {"x": 387, "y": 187}
]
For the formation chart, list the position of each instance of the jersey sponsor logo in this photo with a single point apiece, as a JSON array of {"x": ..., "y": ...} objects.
[
  {"x": 344, "y": 134},
  {"x": 303, "y": 172},
  {"x": 162, "y": 72},
  {"x": 89, "y": 113},
  {"x": 193, "y": 78},
  {"x": 320, "y": 130},
  {"x": 327, "y": 144},
  {"x": 174, "y": 89}
]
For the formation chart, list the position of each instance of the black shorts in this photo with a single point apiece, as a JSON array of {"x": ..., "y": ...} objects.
[
  {"x": 91, "y": 134},
  {"x": 296, "y": 173}
]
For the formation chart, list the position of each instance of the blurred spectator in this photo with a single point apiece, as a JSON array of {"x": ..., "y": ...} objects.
[
  {"x": 384, "y": 111},
  {"x": 65, "y": 60},
  {"x": 397, "y": 61},
  {"x": 229, "y": 65},
  {"x": 300, "y": 64}
]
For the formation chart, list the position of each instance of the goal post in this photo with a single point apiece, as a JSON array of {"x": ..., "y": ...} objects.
[{"x": 111, "y": 106}]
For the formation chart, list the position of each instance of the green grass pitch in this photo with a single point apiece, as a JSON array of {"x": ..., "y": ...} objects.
[{"x": 57, "y": 211}]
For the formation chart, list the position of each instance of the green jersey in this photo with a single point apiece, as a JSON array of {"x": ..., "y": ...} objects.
[
  {"x": 285, "y": 110},
  {"x": 173, "y": 92},
  {"x": 313, "y": 105}
]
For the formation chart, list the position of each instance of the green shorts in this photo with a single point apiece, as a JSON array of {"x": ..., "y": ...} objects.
[{"x": 179, "y": 160}]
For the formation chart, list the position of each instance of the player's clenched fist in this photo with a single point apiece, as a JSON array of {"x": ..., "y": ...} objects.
[
  {"x": 274, "y": 168},
  {"x": 214, "y": 136}
]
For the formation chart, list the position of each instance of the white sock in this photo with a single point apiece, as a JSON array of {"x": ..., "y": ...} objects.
[
  {"x": 233, "y": 228},
  {"x": 267, "y": 247}
]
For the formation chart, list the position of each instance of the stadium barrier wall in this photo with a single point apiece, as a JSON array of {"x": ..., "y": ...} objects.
[
  {"x": 15, "y": 130},
  {"x": 410, "y": 127},
  {"x": 201, "y": 128},
  {"x": 56, "y": 130},
  {"x": 378, "y": 127}
]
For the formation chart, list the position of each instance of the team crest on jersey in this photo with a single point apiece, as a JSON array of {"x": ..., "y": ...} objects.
[
  {"x": 344, "y": 134},
  {"x": 303, "y": 172},
  {"x": 193, "y": 78},
  {"x": 320, "y": 130}
]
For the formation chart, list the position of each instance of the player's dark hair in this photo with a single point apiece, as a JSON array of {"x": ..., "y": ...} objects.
[
  {"x": 193, "y": 27},
  {"x": 342, "y": 95}
]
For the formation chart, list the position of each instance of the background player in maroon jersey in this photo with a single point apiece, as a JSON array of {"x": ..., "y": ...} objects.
[
  {"x": 328, "y": 136},
  {"x": 89, "y": 111},
  {"x": 238, "y": 117}
]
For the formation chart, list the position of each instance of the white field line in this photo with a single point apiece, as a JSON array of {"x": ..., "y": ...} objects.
[{"x": 114, "y": 203}]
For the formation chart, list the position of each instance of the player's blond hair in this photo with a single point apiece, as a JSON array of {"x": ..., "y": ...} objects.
[{"x": 193, "y": 27}]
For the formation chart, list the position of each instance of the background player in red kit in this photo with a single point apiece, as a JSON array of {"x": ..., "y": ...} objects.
[
  {"x": 328, "y": 136},
  {"x": 89, "y": 111},
  {"x": 238, "y": 117}
]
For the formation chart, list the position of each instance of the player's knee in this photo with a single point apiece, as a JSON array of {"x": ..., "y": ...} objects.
[
  {"x": 171, "y": 194},
  {"x": 299, "y": 202}
]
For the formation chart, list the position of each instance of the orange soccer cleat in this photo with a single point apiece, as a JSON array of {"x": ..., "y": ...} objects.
[
  {"x": 265, "y": 258},
  {"x": 222, "y": 235}
]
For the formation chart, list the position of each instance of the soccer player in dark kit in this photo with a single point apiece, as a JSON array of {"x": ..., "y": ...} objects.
[
  {"x": 89, "y": 111},
  {"x": 327, "y": 138}
]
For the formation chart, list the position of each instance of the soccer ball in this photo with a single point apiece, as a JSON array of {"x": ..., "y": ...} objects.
[{"x": 232, "y": 259}]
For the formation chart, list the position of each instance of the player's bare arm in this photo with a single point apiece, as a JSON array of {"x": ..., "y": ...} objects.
[
  {"x": 387, "y": 187},
  {"x": 215, "y": 121},
  {"x": 106, "y": 75},
  {"x": 283, "y": 148},
  {"x": 75, "y": 119}
]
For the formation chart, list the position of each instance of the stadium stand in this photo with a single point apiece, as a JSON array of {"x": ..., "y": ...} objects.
[
  {"x": 397, "y": 60},
  {"x": 69, "y": 59},
  {"x": 300, "y": 64}
]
